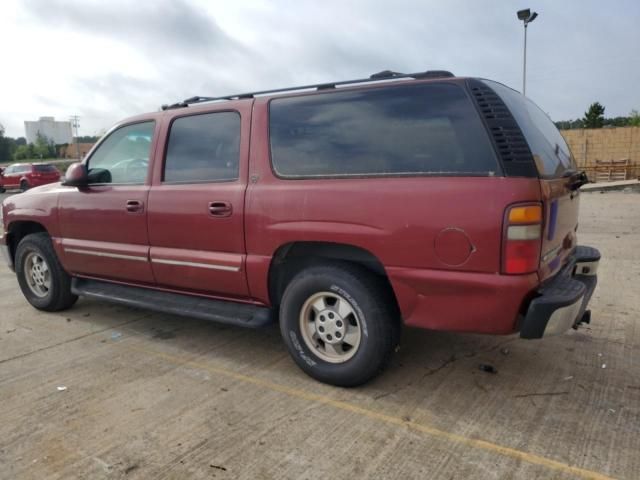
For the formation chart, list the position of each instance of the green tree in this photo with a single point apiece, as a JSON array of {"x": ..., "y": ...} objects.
[
  {"x": 634, "y": 118},
  {"x": 594, "y": 117},
  {"x": 5, "y": 146},
  {"x": 23, "y": 152},
  {"x": 44, "y": 148}
]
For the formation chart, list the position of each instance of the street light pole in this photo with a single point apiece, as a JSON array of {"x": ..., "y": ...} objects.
[
  {"x": 527, "y": 17},
  {"x": 524, "y": 64}
]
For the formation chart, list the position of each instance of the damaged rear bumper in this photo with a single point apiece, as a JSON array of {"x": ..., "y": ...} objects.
[{"x": 562, "y": 301}]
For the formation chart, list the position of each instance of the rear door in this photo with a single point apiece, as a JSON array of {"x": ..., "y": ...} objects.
[
  {"x": 196, "y": 203},
  {"x": 45, "y": 173},
  {"x": 556, "y": 166}
]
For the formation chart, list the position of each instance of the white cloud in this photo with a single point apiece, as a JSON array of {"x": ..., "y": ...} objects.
[{"x": 107, "y": 60}]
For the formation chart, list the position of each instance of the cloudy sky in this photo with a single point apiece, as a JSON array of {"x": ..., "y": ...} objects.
[{"x": 105, "y": 60}]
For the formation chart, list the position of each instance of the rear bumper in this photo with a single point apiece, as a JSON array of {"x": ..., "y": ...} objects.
[{"x": 561, "y": 302}]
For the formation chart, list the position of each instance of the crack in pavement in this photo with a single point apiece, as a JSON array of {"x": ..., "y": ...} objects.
[{"x": 80, "y": 337}]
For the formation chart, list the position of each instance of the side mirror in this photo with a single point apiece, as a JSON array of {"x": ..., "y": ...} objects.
[{"x": 76, "y": 175}]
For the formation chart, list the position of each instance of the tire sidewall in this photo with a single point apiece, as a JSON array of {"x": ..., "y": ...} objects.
[
  {"x": 25, "y": 247},
  {"x": 364, "y": 361}
]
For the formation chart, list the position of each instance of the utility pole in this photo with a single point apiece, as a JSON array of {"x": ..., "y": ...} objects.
[
  {"x": 75, "y": 123},
  {"x": 527, "y": 17}
]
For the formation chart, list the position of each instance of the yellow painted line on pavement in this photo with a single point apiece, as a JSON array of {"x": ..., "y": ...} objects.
[{"x": 365, "y": 412}]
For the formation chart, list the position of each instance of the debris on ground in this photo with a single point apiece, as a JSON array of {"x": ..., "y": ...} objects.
[
  {"x": 485, "y": 367},
  {"x": 604, "y": 365},
  {"x": 115, "y": 335},
  {"x": 504, "y": 351},
  {"x": 62, "y": 388},
  {"x": 568, "y": 378},
  {"x": 545, "y": 394}
]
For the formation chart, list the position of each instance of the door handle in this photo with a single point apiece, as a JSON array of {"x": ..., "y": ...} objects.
[
  {"x": 220, "y": 209},
  {"x": 135, "y": 206}
]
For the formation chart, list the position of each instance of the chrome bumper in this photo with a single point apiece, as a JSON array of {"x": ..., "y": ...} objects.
[{"x": 561, "y": 303}]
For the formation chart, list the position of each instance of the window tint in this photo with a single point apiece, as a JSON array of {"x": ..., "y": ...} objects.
[
  {"x": 550, "y": 151},
  {"x": 44, "y": 168},
  {"x": 123, "y": 157},
  {"x": 203, "y": 148},
  {"x": 9, "y": 170},
  {"x": 416, "y": 129}
]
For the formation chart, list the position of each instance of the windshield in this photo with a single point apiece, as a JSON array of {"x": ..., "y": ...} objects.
[{"x": 550, "y": 151}]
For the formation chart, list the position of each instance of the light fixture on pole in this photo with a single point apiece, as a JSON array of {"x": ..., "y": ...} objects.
[{"x": 527, "y": 17}]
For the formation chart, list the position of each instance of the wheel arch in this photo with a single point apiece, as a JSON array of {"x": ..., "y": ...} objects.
[
  {"x": 19, "y": 229},
  {"x": 292, "y": 257}
]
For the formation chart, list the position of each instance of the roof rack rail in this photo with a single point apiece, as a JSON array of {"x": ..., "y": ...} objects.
[{"x": 376, "y": 77}]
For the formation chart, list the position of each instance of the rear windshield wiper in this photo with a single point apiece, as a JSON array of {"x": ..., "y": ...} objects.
[{"x": 577, "y": 180}]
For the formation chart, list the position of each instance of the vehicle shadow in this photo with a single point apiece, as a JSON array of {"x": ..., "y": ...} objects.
[{"x": 427, "y": 363}]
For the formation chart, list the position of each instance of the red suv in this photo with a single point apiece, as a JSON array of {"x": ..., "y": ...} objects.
[
  {"x": 342, "y": 211},
  {"x": 27, "y": 175}
]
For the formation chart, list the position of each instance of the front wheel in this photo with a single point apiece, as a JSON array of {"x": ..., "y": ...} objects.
[
  {"x": 340, "y": 323},
  {"x": 43, "y": 281}
]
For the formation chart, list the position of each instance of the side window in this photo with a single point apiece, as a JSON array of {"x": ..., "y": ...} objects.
[
  {"x": 9, "y": 170},
  {"x": 203, "y": 148},
  {"x": 123, "y": 157},
  {"x": 423, "y": 129}
]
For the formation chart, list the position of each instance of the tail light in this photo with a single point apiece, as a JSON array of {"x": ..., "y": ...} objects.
[{"x": 522, "y": 239}]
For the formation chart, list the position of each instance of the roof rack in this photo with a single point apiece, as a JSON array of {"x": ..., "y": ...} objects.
[{"x": 384, "y": 75}]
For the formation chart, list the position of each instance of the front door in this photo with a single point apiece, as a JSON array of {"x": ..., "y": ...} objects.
[
  {"x": 196, "y": 204},
  {"x": 104, "y": 226}
]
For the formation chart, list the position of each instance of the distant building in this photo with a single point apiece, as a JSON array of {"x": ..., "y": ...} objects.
[{"x": 58, "y": 132}]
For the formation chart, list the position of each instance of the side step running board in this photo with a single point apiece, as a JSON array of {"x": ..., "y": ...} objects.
[{"x": 230, "y": 313}]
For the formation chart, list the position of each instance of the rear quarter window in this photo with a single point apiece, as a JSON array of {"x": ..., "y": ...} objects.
[
  {"x": 44, "y": 168},
  {"x": 550, "y": 151},
  {"x": 401, "y": 130}
]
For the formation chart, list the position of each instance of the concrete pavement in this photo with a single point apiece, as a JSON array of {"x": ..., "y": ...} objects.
[{"x": 157, "y": 396}]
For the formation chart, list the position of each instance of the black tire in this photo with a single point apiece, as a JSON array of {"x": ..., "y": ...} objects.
[
  {"x": 59, "y": 296},
  {"x": 368, "y": 296},
  {"x": 24, "y": 186},
  {"x": 2, "y": 190}
]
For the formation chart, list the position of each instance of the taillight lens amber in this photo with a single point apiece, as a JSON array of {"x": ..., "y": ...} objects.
[{"x": 522, "y": 239}]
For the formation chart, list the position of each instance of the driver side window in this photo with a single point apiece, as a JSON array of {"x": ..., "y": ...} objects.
[{"x": 123, "y": 157}]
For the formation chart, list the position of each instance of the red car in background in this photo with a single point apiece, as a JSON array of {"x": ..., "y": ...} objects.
[{"x": 24, "y": 176}]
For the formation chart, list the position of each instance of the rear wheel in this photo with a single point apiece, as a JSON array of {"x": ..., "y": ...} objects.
[
  {"x": 2, "y": 189},
  {"x": 340, "y": 323},
  {"x": 43, "y": 281},
  {"x": 24, "y": 186}
]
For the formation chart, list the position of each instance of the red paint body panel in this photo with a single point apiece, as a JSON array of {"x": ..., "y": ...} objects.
[
  {"x": 461, "y": 301},
  {"x": 438, "y": 238},
  {"x": 182, "y": 228},
  {"x": 96, "y": 219}
]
